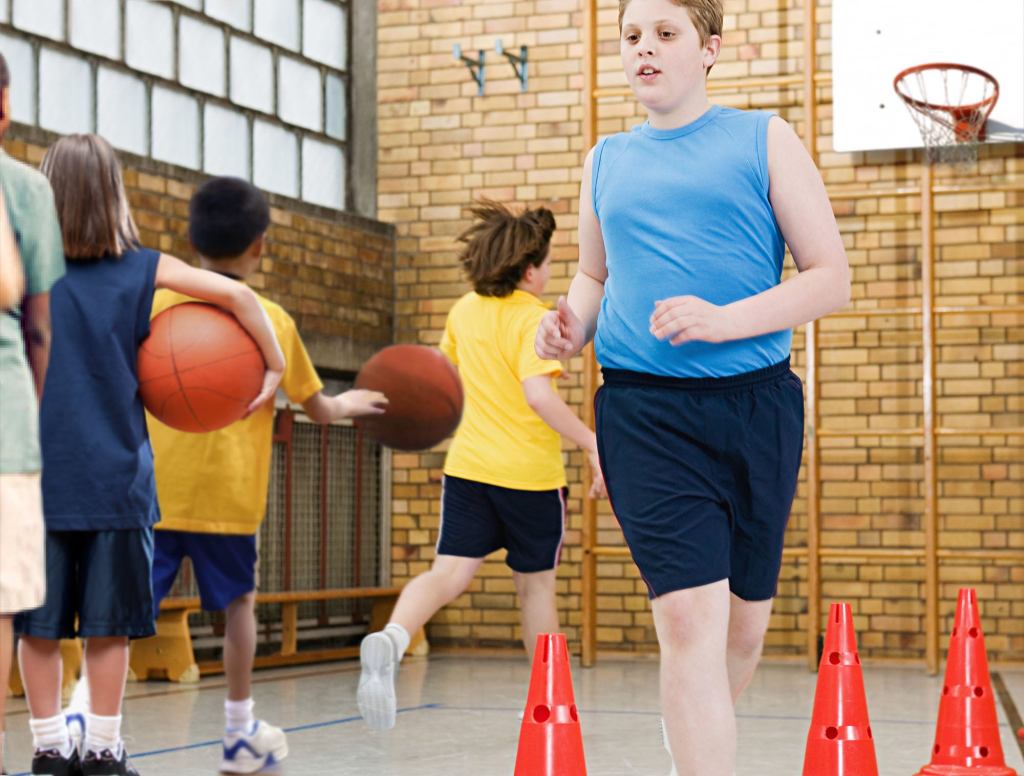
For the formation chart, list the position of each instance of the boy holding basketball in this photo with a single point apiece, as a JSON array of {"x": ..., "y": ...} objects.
[
  {"x": 504, "y": 482},
  {"x": 213, "y": 487},
  {"x": 682, "y": 234}
]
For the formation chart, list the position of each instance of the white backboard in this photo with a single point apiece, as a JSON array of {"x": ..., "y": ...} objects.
[{"x": 873, "y": 40}]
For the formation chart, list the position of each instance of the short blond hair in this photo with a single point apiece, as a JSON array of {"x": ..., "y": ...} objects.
[
  {"x": 706, "y": 15},
  {"x": 88, "y": 190}
]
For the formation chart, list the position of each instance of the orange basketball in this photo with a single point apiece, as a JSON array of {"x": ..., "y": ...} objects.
[
  {"x": 198, "y": 369},
  {"x": 424, "y": 397}
]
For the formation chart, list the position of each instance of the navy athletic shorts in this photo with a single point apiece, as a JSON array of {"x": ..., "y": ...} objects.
[
  {"x": 477, "y": 519},
  {"x": 224, "y": 565},
  {"x": 102, "y": 579},
  {"x": 701, "y": 474}
]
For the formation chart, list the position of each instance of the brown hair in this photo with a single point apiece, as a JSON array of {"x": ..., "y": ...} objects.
[
  {"x": 501, "y": 246},
  {"x": 706, "y": 16},
  {"x": 89, "y": 193}
]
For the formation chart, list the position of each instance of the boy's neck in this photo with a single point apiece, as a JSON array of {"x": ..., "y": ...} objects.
[
  {"x": 239, "y": 267},
  {"x": 686, "y": 113}
]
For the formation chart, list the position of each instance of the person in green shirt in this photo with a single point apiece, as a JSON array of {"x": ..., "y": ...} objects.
[{"x": 24, "y": 353}]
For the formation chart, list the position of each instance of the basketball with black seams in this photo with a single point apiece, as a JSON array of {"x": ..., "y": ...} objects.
[
  {"x": 424, "y": 397},
  {"x": 199, "y": 369}
]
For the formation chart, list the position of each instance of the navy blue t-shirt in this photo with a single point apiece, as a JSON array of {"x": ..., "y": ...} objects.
[{"x": 97, "y": 461}]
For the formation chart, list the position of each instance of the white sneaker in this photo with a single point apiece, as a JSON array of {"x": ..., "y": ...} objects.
[
  {"x": 262, "y": 746},
  {"x": 75, "y": 714},
  {"x": 376, "y": 694}
]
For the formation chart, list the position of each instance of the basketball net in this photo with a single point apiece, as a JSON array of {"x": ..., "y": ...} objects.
[{"x": 950, "y": 104}]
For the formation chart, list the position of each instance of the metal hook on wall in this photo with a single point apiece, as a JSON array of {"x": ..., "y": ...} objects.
[
  {"x": 519, "y": 63},
  {"x": 475, "y": 66}
]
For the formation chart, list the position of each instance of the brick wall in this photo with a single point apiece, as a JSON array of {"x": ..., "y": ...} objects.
[
  {"x": 333, "y": 274},
  {"x": 442, "y": 146}
]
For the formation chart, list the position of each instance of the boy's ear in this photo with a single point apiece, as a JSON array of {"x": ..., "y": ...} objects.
[
  {"x": 712, "y": 48},
  {"x": 255, "y": 249}
]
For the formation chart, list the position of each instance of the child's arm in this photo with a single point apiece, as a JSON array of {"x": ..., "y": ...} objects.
[
  {"x": 351, "y": 404},
  {"x": 543, "y": 400},
  {"x": 564, "y": 331},
  {"x": 804, "y": 213},
  {"x": 176, "y": 275},
  {"x": 35, "y": 329}
]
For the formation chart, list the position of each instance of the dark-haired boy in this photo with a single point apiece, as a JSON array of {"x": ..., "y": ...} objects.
[{"x": 213, "y": 487}]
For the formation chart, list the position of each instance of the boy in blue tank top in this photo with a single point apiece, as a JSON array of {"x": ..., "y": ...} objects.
[
  {"x": 682, "y": 231},
  {"x": 99, "y": 491}
]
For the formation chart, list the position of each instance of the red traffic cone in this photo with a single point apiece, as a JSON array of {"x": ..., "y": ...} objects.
[
  {"x": 839, "y": 742},
  {"x": 967, "y": 733},
  {"x": 550, "y": 740}
]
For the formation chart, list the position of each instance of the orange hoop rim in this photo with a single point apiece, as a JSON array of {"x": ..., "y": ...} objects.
[{"x": 985, "y": 105}]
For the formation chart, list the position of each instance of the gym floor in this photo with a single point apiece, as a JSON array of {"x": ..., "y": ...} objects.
[{"x": 458, "y": 715}]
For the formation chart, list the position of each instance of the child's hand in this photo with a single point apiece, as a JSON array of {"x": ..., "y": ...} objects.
[
  {"x": 359, "y": 402},
  {"x": 687, "y": 318},
  {"x": 560, "y": 334},
  {"x": 597, "y": 487},
  {"x": 271, "y": 379}
]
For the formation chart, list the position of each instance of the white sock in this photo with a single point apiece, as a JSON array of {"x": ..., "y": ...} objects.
[
  {"x": 51, "y": 733},
  {"x": 400, "y": 636},
  {"x": 103, "y": 733},
  {"x": 238, "y": 714}
]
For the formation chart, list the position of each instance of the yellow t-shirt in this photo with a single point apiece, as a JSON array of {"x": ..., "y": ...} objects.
[
  {"x": 500, "y": 441},
  {"x": 217, "y": 482}
]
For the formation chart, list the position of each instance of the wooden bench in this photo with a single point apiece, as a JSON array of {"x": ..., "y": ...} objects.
[{"x": 169, "y": 653}]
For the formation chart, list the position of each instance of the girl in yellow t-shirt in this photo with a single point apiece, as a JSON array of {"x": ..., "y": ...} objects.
[{"x": 504, "y": 483}]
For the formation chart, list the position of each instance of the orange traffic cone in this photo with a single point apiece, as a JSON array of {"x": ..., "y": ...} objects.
[
  {"x": 550, "y": 740},
  {"x": 839, "y": 742},
  {"x": 967, "y": 733}
]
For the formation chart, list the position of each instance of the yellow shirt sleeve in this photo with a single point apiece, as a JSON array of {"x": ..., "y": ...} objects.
[{"x": 300, "y": 380}]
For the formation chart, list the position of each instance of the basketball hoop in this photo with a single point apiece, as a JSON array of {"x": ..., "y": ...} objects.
[{"x": 950, "y": 104}]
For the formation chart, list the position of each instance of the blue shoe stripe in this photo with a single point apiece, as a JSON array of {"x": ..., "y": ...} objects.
[{"x": 230, "y": 752}]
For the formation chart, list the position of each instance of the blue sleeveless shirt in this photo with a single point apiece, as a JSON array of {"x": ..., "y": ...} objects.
[
  {"x": 97, "y": 461},
  {"x": 685, "y": 211}
]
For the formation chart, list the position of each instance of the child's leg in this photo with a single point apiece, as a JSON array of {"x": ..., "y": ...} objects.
[
  {"x": 748, "y": 622},
  {"x": 6, "y": 644},
  {"x": 380, "y": 653},
  {"x": 106, "y": 668},
  {"x": 240, "y": 646},
  {"x": 696, "y": 702},
  {"x": 447, "y": 579},
  {"x": 41, "y": 669},
  {"x": 249, "y": 745},
  {"x": 537, "y": 605},
  {"x": 115, "y": 604}
]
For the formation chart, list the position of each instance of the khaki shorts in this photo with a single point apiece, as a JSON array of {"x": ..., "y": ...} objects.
[{"x": 22, "y": 543}]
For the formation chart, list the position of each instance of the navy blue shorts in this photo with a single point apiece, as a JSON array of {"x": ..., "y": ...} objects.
[
  {"x": 701, "y": 474},
  {"x": 103, "y": 578},
  {"x": 477, "y": 519},
  {"x": 224, "y": 565}
]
